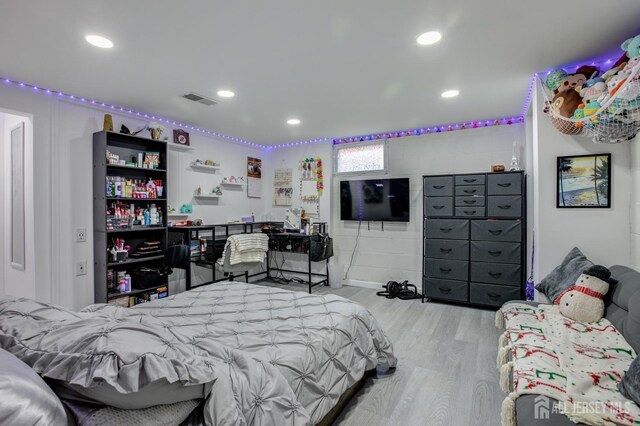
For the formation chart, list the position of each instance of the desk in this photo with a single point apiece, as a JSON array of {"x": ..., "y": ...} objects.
[{"x": 219, "y": 233}]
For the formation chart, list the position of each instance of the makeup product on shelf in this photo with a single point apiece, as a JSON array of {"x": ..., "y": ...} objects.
[{"x": 140, "y": 159}]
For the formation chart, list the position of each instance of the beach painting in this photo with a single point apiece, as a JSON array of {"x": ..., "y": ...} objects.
[{"x": 584, "y": 181}]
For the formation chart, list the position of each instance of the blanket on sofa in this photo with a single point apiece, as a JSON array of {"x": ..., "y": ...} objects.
[{"x": 579, "y": 364}]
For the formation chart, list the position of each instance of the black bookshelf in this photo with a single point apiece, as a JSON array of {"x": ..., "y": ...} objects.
[{"x": 126, "y": 147}]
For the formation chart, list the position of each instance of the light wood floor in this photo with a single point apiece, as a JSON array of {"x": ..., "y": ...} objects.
[{"x": 446, "y": 372}]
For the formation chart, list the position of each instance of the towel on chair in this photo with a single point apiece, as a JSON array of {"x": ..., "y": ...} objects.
[{"x": 246, "y": 248}]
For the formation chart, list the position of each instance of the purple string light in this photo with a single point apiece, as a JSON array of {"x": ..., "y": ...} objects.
[{"x": 124, "y": 110}]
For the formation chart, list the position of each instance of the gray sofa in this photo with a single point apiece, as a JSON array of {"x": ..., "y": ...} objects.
[{"x": 623, "y": 310}]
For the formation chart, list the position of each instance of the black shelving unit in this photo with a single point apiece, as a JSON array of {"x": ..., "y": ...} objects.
[{"x": 126, "y": 146}]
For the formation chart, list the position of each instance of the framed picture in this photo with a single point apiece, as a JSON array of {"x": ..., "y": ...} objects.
[
  {"x": 584, "y": 181},
  {"x": 180, "y": 137}
]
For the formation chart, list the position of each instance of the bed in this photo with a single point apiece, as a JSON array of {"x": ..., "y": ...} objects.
[{"x": 259, "y": 355}]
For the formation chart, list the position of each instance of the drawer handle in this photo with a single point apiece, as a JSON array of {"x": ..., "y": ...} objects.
[
  {"x": 438, "y": 186},
  {"x": 445, "y": 251},
  {"x": 445, "y": 270},
  {"x": 469, "y": 191},
  {"x": 438, "y": 207},
  {"x": 470, "y": 201},
  {"x": 446, "y": 230},
  {"x": 493, "y": 296},
  {"x": 444, "y": 290},
  {"x": 504, "y": 185},
  {"x": 469, "y": 180},
  {"x": 495, "y": 274},
  {"x": 505, "y": 207},
  {"x": 495, "y": 232},
  {"x": 495, "y": 253},
  {"x": 470, "y": 212}
]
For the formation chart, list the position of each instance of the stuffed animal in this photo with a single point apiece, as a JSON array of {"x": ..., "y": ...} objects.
[
  {"x": 593, "y": 89},
  {"x": 632, "y": 47},
  {"x": 583, "y": 301},
  {"x": 577, "y": 79},
  {"x": 564, "y": 104},
  {"x": 555, "y": 78}
]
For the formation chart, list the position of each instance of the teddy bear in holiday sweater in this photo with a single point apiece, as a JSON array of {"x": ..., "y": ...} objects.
[{"x": 583, "y": 301}]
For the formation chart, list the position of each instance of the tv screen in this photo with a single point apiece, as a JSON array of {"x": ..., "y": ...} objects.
[{"x": 384, "y": 200}]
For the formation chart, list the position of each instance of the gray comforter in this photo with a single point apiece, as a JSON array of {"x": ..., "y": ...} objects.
[{"x": 290, "y": 355}]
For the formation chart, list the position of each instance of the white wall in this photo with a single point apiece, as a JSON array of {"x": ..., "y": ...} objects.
[
  {"x": 601, "y": 234},
  {"x": 396, "y": 252},
  {"x": 17, "y": 281},
  {"x": 62, "y": 173}
]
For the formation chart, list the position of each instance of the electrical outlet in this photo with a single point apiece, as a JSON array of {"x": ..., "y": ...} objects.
[
  {"x": 81, "y": 267},
  {"x": 81, "y": 235}
]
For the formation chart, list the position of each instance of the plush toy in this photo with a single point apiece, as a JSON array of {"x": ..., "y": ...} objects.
[
  {"x": 577, "y": 79},
  {"x": 555, "y": 78},
  {"x": 583, "y": 301},
  {"x": 593, "y": 89},
  {"x": 564, "y": 104},
  {"x": 614, "y": 83},
  {"x": 632, "y": 47}
]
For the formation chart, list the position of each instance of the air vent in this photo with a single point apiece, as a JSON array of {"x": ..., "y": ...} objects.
[{"x": 199, "y": 99}]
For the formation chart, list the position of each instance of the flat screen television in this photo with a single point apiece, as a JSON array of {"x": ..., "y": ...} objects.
[{"x": 385, "y": 200}]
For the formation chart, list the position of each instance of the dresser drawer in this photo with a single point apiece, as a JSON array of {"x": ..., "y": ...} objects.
[
  {"x": 498, "y": 252},
  {"x": 470, "y": 180},
  {"x": 470, "y": 211},
  {"x": 504, "y": 206},
  {"x": 504, "y": 184},
  {"x": 446, "y": 289},
  {"x": 496, "y": 230},
  {"x": 470, "y": 190},
  {"x": 492, "y": 295},
  {"x": 448, "y": 229},
  {"x": 438, "y": 206},
  {"x": 438, "y": 186},
  {"x": 447, "y": 269},
  {"x": 470, "y": 201},
  {"x": 447, "y": 249},
  {"x": 496, "y": 273}
]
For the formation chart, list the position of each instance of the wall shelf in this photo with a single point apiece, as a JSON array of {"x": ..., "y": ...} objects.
[
  {"x": 207, "y": 196},
  {"x": 204, "y": 167},
  {"x": 232, "y": 184},
  {"x": 178, "y": 147},
  {"x": 130, "y": 260}
]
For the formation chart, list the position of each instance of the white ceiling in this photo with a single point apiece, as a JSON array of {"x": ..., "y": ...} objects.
[{"x": 343, "y": 67}]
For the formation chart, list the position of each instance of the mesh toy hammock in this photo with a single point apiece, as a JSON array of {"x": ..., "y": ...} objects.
[{"x": 614, "y": 119}]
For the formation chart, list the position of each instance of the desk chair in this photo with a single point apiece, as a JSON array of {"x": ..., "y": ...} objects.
[{"x": 224, "y": 263}]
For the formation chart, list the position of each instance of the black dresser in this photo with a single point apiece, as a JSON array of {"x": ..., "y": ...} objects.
[{"x": 474, "y": 238}]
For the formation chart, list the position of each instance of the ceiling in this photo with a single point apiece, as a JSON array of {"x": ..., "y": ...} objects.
[{"x": 343, "y": 68}]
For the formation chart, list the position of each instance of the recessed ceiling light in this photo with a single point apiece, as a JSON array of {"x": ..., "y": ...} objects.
[
  {"x": 99, "y": 41},
  {"x": 226, "y": 93},
  {"x": 293, "y": 121},
  {"x": 450, "y": 94},
  {"x": 431, "y": 37}
]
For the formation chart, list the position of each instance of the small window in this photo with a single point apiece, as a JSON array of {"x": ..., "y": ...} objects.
[{"x": 361, "y": 158}]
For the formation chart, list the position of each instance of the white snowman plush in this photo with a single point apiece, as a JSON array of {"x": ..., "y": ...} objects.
[{"x": 583, "y": 301}]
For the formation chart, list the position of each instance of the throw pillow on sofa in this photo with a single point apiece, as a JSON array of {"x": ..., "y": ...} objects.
[
  {"x": 564, "y": 275},
  {"x": 629, "y": 386}
]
